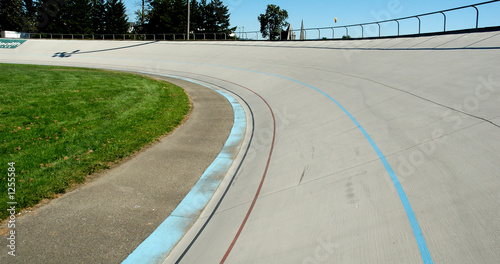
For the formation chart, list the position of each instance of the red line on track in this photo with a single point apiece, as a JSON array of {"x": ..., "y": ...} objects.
[
  {"x": 263, "y": 176},
  {"x": 265, "y": 171}
]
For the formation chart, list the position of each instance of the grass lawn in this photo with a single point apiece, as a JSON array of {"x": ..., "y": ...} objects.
[{"x": 59, "y": 125}]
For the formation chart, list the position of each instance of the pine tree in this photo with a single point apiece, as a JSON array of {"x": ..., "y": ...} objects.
[
  {"x": 203, "y": 16},
  {"x": 49, "y": 16},
  {"x": 98, "y": 16},
  {"x": 29, "y": 18},
  {"x": 11, "y": 15},
  {"x": 116, "y": 18},
  {"x": 218, "y": 17},
  {"x": 158, "y": 20},
  {"x": 170, "y": 16},
  {"x": 77, "y": 17},
  {"x": 196, "y": 16},
  {"x": 178, "y": 14},
  {"x": 65, "y": 17}
]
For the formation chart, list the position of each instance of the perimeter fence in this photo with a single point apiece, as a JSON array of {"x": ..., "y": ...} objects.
[{"x": 363, "y": 30}]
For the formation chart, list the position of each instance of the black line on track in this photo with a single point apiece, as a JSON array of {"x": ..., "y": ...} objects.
[{"x": 232, "y": 178}]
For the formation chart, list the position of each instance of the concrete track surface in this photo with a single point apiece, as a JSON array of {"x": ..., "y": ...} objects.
[{"x": 363, "y": 151}]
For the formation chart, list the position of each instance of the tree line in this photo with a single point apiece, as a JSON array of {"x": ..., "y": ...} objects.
[
  {"x": 64, "y": 16},
  {"x": 109, "y": 16},
  {"x": 170, "y": 16}
]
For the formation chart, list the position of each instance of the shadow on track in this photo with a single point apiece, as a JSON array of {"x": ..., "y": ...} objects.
[{"x": 64, "y": 54}]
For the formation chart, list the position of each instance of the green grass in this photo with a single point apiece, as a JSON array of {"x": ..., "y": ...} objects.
[{"x": 60, "y": 125}]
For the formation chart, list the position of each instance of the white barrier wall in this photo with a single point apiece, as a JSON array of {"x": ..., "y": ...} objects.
[{"x": 11, "y": 34}]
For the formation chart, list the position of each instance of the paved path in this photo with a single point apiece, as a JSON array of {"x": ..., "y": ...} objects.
[
  {"x": 107, "y": 218},
  {"x": 364, "y": 151}
]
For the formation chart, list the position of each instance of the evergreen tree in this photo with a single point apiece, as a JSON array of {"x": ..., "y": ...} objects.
[
  {"x": 48, "y": 16},
  {"x": 11, "y": 15},
  {"x": 178, "y": 14},
  {"x": 65, "y": 16},
  {"x": 196, "y": 16},
  {"x": 170, "y": 16},
  {"x": 203, "y": 16},
  {"x": 158, "y": 20},
  {"x": 218, "y": 17},
  {"x": 76, "y": 17},
  {"x": 167, "y": 16},
  {"x": 29, "y": 18},
  {"x": 98, "y": 16},
  {"x": 116, "y": 18}
]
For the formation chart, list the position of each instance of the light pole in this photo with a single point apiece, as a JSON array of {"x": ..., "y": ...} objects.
[
  {"x": 189, "y": 13},
  {"x": 142, "y": 19}
]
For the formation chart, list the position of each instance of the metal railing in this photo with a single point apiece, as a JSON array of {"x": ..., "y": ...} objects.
[
  {"x": 166, "y": 36},
  {"x": 397, "y": 20},
  {"x": 248, "y": 35}
]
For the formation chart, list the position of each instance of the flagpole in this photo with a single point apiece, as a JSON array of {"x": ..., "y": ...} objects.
[{"x": 189, "y": 13}]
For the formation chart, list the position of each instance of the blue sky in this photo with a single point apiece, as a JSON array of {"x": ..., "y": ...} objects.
[{"x": 321, "y": 13}]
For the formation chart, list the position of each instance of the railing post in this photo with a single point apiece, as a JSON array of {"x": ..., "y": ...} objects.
[
  {"x": 477, "y": 16},
  {"x": 319, "y": 33},
  {"x": 444, "y": 30},
  {"x": 362, "y": 31},
  {"x": 398, "y": 25},
  {"x": 419, "y": 24},
  {"x": 378, "y": 29},
  {"x": 346, "y": 32},
  {"x": 333, "y": 33}
]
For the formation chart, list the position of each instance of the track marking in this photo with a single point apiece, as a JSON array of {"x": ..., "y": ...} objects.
[
  {"x": 156, "y": 247},
  {"x": 422, "y": 245},
  {"x": 417, "y": 232}
]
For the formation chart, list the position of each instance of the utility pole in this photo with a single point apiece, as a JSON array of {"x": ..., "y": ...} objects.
[
  {"x": 189, "y": 13},
  {"x": 142, "y": 18}
]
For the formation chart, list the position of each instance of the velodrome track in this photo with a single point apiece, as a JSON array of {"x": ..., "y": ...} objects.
[{"x": 363, "y": 151}]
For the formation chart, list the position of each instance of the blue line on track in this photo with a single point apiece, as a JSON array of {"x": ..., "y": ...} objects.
[
  {"x": 422, "y": 245},
  {"x": 158, "y": 245},
  {"x": 417, "y": 232}
]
